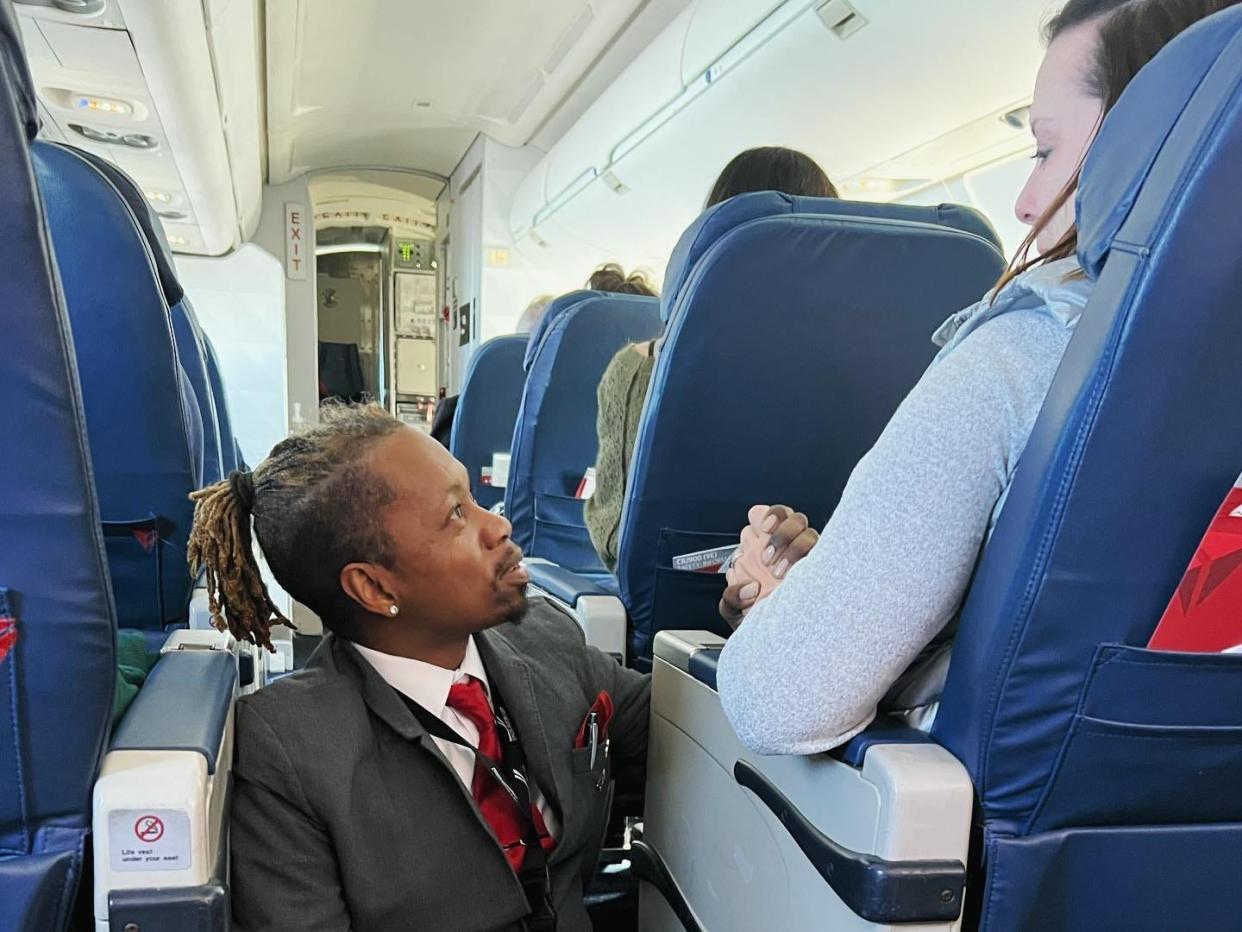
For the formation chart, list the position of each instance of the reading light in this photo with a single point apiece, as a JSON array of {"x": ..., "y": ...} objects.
[{"x": 102, "y": 105}]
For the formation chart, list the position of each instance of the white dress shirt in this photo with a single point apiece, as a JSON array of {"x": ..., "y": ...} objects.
[{"x": 429, "y": 686}]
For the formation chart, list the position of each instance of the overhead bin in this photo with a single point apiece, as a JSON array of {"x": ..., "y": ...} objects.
[
  {"x": 166, "y": 94},
  {"x": 716, "y": 26},
  {"x": 650, "y": 80},
  {"x": 730, "y": 74}
]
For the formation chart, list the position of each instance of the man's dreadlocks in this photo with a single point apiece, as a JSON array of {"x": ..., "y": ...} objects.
[{"x": 316, "y": 507}]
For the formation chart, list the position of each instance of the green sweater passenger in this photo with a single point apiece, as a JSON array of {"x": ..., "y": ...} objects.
[{"x": 621, "y": 395}]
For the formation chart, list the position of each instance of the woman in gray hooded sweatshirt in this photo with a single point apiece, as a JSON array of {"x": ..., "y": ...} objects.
[{"x": 866, "y": 620}]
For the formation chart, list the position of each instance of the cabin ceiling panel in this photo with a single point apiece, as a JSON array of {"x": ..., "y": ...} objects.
[{"x": 411, "y": 82}]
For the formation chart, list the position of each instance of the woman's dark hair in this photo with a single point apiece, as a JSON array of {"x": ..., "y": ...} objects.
[
  {"x": 771, "y": 168},
  {"x": 315, "y": 507},
  {"x": 1132, "y": 33},
  {"x": 611, "y": 277}
]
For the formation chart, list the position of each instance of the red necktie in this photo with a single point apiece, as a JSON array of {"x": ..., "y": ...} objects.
[{"x": 469, "y": 699}]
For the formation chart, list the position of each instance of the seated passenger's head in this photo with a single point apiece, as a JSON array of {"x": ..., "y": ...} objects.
[
  {"x": 533, "y": 314},
  {"x": 771, "y": 168},
  {"x": 611, "y": 277},
  {"x": 1095, "y": 48},
  {"x": 367, "y": 522}
]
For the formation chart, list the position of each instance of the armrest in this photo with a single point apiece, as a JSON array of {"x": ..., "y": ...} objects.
[
  {"x": 876, "y": 889},
  {"x": 159, "y": 806},
  {"x": 811, "y": 841},
  {"x": 596, "y": 608},
  {"x": 693, "y": 652},
  {"x": 702, "y": 665},
  {"x": 884, "y": 730},
  {"x": 563, "y": 584},
  {"x": 183, "y": 705}
]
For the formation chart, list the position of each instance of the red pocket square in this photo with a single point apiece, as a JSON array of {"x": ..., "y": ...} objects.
[{"x": 603, "y": 709}]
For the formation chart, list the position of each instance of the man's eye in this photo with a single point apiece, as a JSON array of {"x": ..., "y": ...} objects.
[
  {"x": 1042, "y": 155},
  {"x": 458, "y": 511}
]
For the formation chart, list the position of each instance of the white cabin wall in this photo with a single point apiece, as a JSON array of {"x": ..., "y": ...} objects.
[
  {"x": 510, "y": 280},
  {"x": 485, "y": 267},
  {"x": 240, "y": 301},
  {"x": 301, "y": 326},
  {"x": 446, "y": 349},
  {"x": 461, "y": 221}
]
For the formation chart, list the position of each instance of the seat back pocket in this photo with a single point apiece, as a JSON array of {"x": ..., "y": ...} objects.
[{"x": 1157, "y": 739}]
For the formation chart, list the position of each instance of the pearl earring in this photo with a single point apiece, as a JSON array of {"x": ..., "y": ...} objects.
[{"x": 393, "y": 610}]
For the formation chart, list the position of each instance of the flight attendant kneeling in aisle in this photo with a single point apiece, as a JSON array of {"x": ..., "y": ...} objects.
[{"x": 442, "y": 763}]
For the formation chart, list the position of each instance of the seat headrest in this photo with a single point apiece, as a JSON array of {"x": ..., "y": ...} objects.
[
  {"x": 148, "y": 222},
  {"x": 16, "y": 71},
  {"x": 554, "y": 310},
  {"x": 1136, "y": 130},
  {"x": 721, "y": 218}
]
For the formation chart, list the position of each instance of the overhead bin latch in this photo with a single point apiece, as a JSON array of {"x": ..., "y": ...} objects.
[{"x": 841, "y": 17}]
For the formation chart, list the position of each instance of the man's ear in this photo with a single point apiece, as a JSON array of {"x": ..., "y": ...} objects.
[{"x": 367, "y": 585}]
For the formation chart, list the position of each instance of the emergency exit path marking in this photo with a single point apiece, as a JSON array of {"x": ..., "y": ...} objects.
[{"x": 149, "y": 829}]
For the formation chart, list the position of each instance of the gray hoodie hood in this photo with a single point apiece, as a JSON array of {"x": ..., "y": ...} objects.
[{"x": 1052, "y": 288}]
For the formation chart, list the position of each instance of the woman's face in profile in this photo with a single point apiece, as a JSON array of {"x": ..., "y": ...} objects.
[{"x": 1065, "y": 116}]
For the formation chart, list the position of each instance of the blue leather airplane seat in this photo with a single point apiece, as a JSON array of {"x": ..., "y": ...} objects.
[
  {"x": 555, "y": 309},
  {"x": 554, "y": 439},
  {"x": 191, "y": 341},
  {"x": 230, "y": 451},
  {"x": 487, "y": 410},
  {"x": 57, "y": 647},
  {"x": 795, "y": 327},
  {"x": 1106, "y": 774},
  {"x": 192, "y": 355},
  {"x": 142, "y": 414}
]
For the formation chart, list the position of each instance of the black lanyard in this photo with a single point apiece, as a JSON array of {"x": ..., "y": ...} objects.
[{"x": 510, "y": 773}]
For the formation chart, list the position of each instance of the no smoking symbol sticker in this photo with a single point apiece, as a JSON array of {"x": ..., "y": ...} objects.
[{"x": 149, "y": 829}]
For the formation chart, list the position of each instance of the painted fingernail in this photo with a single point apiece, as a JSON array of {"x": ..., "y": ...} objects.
[
  {"x": 781, "y": 569},
  {"x": 749, "y": 591},
  {"x": 768, "y": 555},
  {"x": 768, "y": 523}
]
